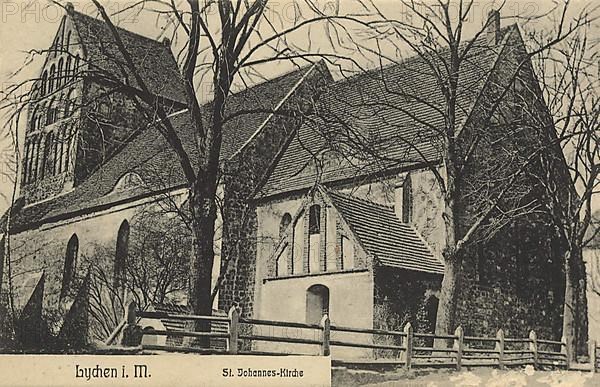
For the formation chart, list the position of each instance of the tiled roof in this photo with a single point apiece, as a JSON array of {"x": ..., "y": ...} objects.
[
  {"x": 383, "y": 235},
  {"x": 150, "y": 156},
  {"x": 154, "y": 60},
  {"x": 386, "y": 118}
]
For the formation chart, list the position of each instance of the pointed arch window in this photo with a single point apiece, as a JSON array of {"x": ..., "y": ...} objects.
[
  {"x": 68, "y": 70},
  {"x": 317, "y": 303},
  {"x": 60, "y": 74},
  {"x": 25, "y": 170},
  {"x": 52, "y": 78},
  {"x": 286, "y": 219},
  {"x": 34, "y": 119},
  {"x": 44, "y": 83},
  {"x": 37, "y": 158},
  {"x": 121, "y": 254},
  {"x": 68, "y": 140},
  {"x": 314, "y": 238},
  {"x": 70, "y": 269},
  {"x": 51, "y": 112}
]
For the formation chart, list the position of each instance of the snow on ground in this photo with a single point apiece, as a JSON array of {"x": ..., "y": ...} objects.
[{"x": 467, "y": 378}]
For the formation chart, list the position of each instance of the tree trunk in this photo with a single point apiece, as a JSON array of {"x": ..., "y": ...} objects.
[
  {"x": 203, "y": 214},
  {"x": 446, "y": 314},
  {"x": 569, "y": 306}
]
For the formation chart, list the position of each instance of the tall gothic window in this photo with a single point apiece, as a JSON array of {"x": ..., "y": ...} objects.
[
  {"x": 60, "y": 75},
  {"x": 26, "y": 162},
  {"x": 50, "y": 112},
  {"x": 44, "y": 83},
  {"x": 33, "y": 121},
  {"x": 70, "y": 268},
  {"x": 68, "y": 70},
  {"x": 317, "y": 303},
  {"x": 52, "y": 78},
  {"x": 121, "y": 254},
  {"x": 314, "y": 238}
]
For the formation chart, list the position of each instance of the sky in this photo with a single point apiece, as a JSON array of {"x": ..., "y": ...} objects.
[{"x": 31, "y": 25}]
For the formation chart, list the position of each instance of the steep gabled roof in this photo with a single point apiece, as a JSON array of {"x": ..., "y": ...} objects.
[
  {"x": 154, "y": 60},
  {"x": 150, "y": 156},
  {"x": 391, "y": 242},
  {"x": 388, "y": 118}
]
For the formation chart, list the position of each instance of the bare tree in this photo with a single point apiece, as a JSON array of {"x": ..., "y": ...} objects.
[
  {"x": 487, "y": 159},
  {"x": 570, "y": 82},
  {"x": 225, "y": 42}
]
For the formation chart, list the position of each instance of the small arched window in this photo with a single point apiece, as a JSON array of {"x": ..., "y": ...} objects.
[
  {"x": 60, "y": 75},
  {"x": 44, "y": 82},
  {"x": 286, "y": 219},
  {"x": 317, "y": 303},
  {"x": 121, "y": 254},
  {"x": 70, "y": 269},
  {"x": 52, "y": 78}
]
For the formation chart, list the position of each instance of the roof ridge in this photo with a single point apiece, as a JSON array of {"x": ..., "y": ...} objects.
[
  {"x": 118, "y": 27},
  {"x": 411, "y": 58},
  {"x": 265, "y": 82}
]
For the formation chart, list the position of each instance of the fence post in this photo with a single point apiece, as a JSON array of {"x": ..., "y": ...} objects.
[
  {"x": 500, "y": 348},
  {"x": 408, "y": 347},
  {"x": 593, "y": 360},
  {"x": 326, "y": 325},
  {"x": 234, "y": 320},
  {"x": 533, "y": 347},
  {"x": 458, "y": 346},
  {"x": 564, "y": 349}
]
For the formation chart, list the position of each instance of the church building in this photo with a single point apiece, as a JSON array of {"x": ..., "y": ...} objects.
[{"x": 335, "y": 209}]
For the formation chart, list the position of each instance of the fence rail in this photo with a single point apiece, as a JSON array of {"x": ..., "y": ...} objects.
[{"x": 406, "y": 348}]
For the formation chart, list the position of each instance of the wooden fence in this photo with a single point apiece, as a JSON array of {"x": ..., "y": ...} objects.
[{"x": 403, "y": 348}]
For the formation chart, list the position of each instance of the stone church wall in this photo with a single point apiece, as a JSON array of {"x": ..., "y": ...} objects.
[{"x": 44, "y": 249}]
